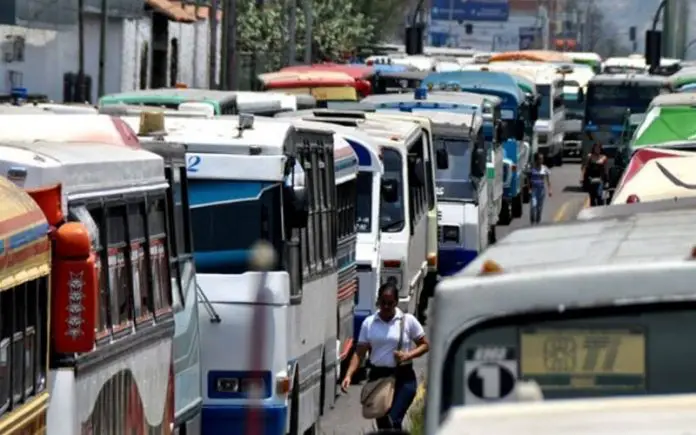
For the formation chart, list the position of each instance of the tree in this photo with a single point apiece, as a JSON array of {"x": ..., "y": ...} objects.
[{"x": 338, "y": 27}]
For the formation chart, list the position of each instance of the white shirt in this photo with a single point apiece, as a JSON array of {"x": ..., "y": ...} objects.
[{"x": 383, "y": 337}]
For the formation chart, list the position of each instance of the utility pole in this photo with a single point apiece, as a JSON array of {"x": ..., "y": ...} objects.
[
  {"x": 231, "y": 49},
  {"x": 309, "y": 24},
  {"x": 80, "y": 85},
  {"x": 292, "y": 32},
  {"x": 102, "y": 47},
  {"x": 212, "y": 56}
]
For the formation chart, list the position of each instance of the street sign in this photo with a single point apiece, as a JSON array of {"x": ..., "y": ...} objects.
[
  {"x": 490, "y": 374},
  {"x": 470, "y": 10}
]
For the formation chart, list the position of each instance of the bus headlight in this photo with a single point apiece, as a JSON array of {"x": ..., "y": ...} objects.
[{"x": 450, "y": 234}]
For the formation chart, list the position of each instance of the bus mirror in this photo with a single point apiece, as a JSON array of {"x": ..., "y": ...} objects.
[
  {"x": 390, "y": 192},
  {"x": 298, "y": 206},
  {"x": 478, "y": 162},
  {"x": 581, "y": 95},
  {"x": 442, "y": 159},
  {"x": 519, "y": 129},
  {"x": 416, "y": 170}
]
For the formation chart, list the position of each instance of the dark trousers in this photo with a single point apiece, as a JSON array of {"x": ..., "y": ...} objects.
[{"x": 404, "y": 393}]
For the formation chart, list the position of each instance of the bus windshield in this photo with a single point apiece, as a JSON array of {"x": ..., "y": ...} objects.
[
  {"x": 594, "y": 352},
  {"x": 364, "y": 202},
  {"x": 228, "y": 217},
  {"x": 607, "y": 104},
  {"x": 455, "y": 183},
  {"x": 392, "y": 214}
]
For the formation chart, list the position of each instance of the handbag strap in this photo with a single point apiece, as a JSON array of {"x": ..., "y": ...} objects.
[{"x": 401, "y": 335}]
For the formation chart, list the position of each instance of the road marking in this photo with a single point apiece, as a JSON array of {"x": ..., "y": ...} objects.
[{"x": 561, "y": 213}]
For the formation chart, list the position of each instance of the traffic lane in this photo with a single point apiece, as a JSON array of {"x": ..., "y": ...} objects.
[{"x": 567, "y": 200}]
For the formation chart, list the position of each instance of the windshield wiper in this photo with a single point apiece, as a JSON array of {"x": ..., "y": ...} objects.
[{"x": 392, "y": 225}]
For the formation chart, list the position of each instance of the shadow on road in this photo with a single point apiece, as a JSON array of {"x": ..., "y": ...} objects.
[{"x": 573, "y": 189}]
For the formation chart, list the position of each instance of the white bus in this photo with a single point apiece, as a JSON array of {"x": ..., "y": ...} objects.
[
  {"x": 594, "y": 308},
  {"x": 125, "y": 382},
  {"x": 80, "y": 128},
  {"x": 403, "y": 217},
  {"x": 252, "y": 179},
  {"x": 549, "y": 130}
]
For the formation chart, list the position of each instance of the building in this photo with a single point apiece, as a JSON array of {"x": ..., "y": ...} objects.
[
  {"x": 487, "y": 25},
  {"x": 149, "y": 44}
]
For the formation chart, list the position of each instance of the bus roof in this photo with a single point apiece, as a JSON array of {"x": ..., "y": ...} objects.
[
  {"x": 66, "y": 128},
  {"x": 24, "y": 224},
  {"x": 602, "y": 242},
  {"x": 676, "y": 99},
  {"x": 86, "y": 169},
  {"x": 666, "y": 415},
  {"x": 443, "y": 121},
  {"x": 452, "y": 99},
  {"x": 479, "y": 78},
  {"x": 619, "y": 79},
  {"x": 168, "y": 96},
  {"x": 221, "y": 135}
]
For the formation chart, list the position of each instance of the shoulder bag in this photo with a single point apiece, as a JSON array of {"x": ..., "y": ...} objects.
[{"x": 376, "y": 396}]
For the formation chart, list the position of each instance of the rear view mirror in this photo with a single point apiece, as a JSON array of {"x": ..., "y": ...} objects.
[
  {"x": 478, "y": 162},
  {"x": 441, "y": 158},
  {"x": 416, "y": 172},
  {"x": 519, "y": 129},
  {"x": 298, "y": 206},
  {"x": 390, "y": 192}
]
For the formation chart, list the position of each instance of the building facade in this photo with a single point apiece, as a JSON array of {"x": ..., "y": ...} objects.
[{"x": 149, "y": 44}]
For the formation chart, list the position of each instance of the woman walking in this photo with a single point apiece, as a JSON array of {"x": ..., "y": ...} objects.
[
  {"x": 540, "y": 183},
  {"x": 594, "y": 174},
  {"x": 394, "y": 339}
]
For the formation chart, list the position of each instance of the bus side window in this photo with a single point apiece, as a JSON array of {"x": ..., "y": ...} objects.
[
  {"x": 429, "y": 177},
  {"x": 332, "y": 203},
  {"x": 177, "y": 229},
  {"x": 315, "y": 208},
  {"x": 305, "y": 232},
  {"x": 159, "y": 256},
  {"x": 121, "y": 309},
  {"x": 136, "y": 237},
  {"x": 324, "y": 206}
]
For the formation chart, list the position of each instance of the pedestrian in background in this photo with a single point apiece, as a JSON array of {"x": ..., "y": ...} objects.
[
  {"x": 594, "y": 174},
  {"x": 540, "y": 185},
  {"x": 394, "y": 339}
]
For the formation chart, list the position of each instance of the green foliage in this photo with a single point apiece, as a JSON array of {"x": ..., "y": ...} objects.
[{"x": 338, "y": 27}]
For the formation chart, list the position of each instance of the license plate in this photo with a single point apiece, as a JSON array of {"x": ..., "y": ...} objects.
[{"x": 567, "y": 359}]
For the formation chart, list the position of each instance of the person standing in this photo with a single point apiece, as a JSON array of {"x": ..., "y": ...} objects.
[
  {"x": 540, "y": 184},
  {"x": 394, "y": 339},
  {"x": 594, "y": 174}
]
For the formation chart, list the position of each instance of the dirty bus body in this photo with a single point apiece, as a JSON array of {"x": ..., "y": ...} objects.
[
  {"x": 252, "y": 179},
  {"x": 616, "y": 329},
  {"x": 609, "y": 99},
  {"x": 123, "y": 381},
  {"x": 186, "y": 337},
  {"x": 25, "y": 255}
]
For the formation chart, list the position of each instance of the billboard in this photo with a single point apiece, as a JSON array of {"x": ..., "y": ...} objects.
[{"x": 470, "y": 10}]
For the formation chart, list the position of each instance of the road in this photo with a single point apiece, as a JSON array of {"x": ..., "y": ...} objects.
[{"x": 566, "y": 202}]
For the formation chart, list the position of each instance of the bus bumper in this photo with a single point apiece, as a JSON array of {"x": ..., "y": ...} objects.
[
  {"x": 452, "y": 260},
  {"x": 232, "y": 419}
]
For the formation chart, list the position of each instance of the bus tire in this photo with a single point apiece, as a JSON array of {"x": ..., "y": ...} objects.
[
  {"x": 295, "y": 405},
  {"x": 559, "y": 159},
  {"x": 517, "y": 206},
  {"x": 505, "y": 215}
]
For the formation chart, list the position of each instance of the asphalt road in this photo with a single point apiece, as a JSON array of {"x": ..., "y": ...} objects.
[{"x": 566, "y": 202}]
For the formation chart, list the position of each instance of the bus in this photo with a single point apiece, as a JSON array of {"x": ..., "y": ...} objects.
[
  {"x": 121, "y": 376},
  {"x": 404, "y": 211},
  {"x": 608, "y": 100},
  {"x": 621, "y": 331},
  {"x": 548, "y": 136},
  {"x": 71, "y": 128},
  {"x": 250, "y": 179},
  {"x": 25, "y": 281}
]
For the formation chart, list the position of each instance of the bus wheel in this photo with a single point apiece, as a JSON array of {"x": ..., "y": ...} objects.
[
  {"x": 558, "y": 159},
  {"x": 526, "y": 194},
  {"x": 505, "y": 216},
  {"x": 517, "y": 206},
  {"x": 295, "y": 405}
]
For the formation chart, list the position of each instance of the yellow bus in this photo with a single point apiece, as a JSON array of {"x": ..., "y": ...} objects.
[{"x": 25, "y": 260}]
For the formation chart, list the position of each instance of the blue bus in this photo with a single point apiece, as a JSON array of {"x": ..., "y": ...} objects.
[{"x": 516, "y": 120}]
